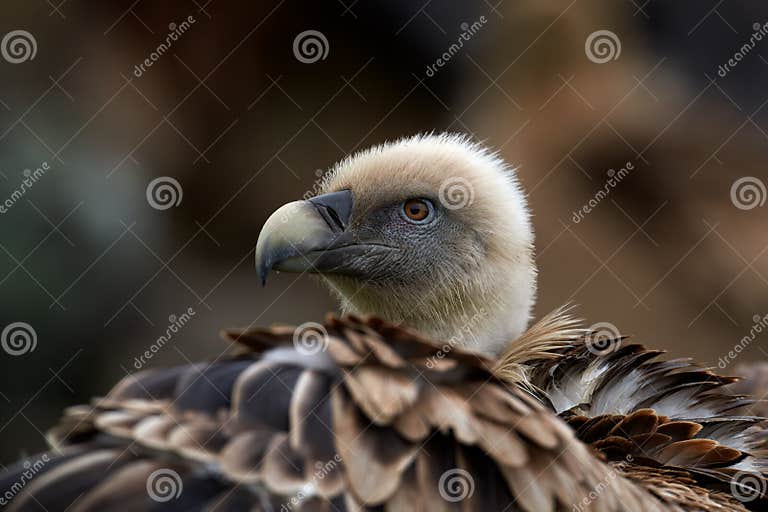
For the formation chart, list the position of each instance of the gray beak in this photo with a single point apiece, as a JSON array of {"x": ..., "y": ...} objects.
[{"x": 308, "y": 236}]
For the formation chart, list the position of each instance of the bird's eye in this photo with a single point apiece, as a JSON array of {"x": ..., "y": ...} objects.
[{"x": 417, "y": 210}]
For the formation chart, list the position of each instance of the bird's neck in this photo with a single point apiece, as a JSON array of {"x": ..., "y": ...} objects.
[{"x": 483, "y": 319}]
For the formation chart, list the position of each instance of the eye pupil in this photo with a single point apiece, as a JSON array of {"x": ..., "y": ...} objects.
[{"x": 416, "y": 209}]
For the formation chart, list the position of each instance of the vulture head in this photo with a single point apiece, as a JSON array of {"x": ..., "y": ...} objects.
[{"x": 430, "y": 231}]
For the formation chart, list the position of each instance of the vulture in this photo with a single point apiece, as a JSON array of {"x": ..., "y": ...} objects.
[{"x": 430, "y": 392}]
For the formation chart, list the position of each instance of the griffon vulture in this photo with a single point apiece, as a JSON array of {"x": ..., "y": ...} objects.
[{"x": 430, "y": 393}]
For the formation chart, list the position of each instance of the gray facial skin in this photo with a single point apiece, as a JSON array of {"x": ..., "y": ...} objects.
[{"x": 381, "y": 248}]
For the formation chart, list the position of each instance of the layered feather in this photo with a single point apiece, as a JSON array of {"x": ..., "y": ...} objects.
[
  {"x": 384, "y": 419},
  {"x": 380, "y": 426},
  {"x": 622, "y": 400}
]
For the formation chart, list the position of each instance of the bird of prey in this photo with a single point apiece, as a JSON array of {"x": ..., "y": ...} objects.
[{"x": 430, "y": 392}]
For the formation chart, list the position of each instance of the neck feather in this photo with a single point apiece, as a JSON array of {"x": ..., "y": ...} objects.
[{"x": 484, "y": 317}]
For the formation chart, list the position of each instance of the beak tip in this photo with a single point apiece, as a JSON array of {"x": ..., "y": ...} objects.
[
  {"x": 299, "y": 228},
  {"x": 262, "y": 272},
  {"x": 262, "y": 269}
]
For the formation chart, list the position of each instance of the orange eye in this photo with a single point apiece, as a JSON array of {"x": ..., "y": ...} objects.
[{"x": 416, "y": 209}]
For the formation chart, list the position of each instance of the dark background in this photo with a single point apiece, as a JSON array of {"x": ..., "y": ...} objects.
[{"x": 244, "y": 126}]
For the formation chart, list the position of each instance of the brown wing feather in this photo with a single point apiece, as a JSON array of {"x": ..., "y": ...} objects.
[
  {"x": 753, "y": 382},
  {"x": 381, "y": 419},
  {"x": 627, "y": 404}
]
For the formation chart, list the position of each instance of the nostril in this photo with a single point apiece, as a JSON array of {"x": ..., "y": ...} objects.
[
  {"x": 335, "y": 218},
  {"x": 335, "y": 208},
  {"x": 330, "y": 217}
]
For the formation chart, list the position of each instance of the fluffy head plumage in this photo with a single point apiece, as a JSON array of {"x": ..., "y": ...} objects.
[{"x": 474, "y": 283}]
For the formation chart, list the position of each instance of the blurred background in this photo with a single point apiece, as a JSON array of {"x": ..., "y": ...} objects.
[{"x": 143, "y": 144}]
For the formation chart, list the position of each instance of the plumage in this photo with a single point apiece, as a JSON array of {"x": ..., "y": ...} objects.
[
  {"x": 434, "y": 396},
  {"x": 511, "y": 443},
  {"x": 372, "y": 458}
]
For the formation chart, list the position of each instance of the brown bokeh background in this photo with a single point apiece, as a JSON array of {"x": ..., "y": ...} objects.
[{"x": 244, "y": 126}]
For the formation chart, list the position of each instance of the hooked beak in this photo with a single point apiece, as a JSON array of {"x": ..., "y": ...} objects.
[{"x": 309, "y": 236}]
